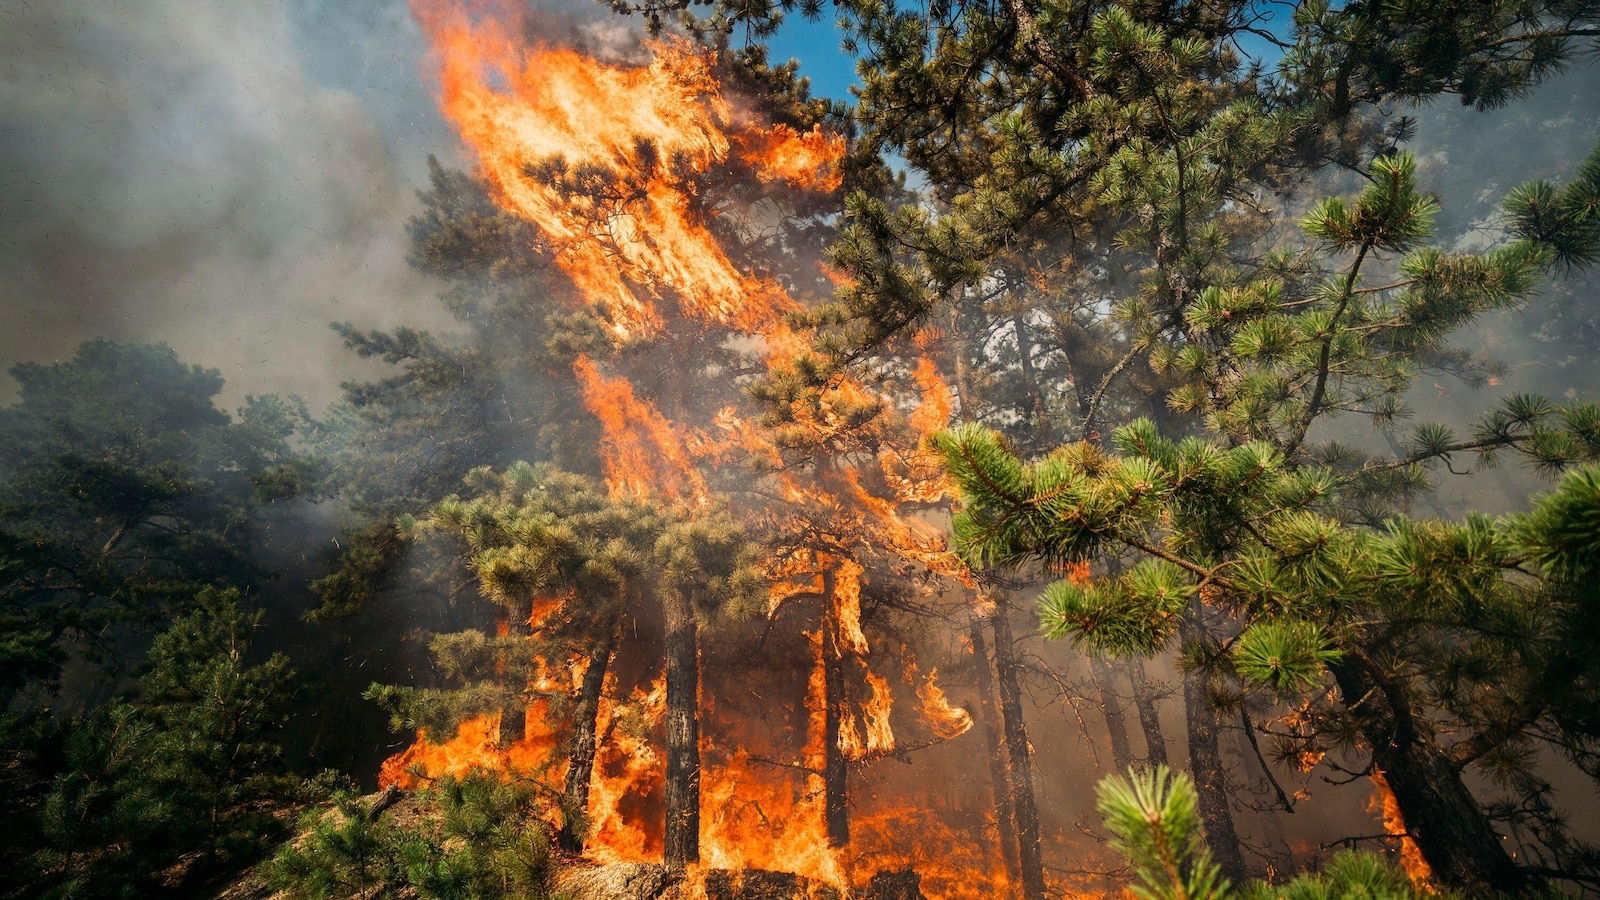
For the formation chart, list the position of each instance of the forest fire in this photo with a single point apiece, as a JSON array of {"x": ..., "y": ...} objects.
[
  {"x": 621, "y": 146},
  {"x": 1026, "y": 450},
  {"x": 605, "y": 159}
]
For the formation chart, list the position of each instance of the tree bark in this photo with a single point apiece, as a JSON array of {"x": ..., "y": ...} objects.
[
  {"x": 1205, "y": 762},
  {"x": 1111, "y": 708},
  {"x": 1019, "y": 762},
  {"x": 580, "y": 760},
  {"x": 514, "y": 715},
  {"x": 1441, "y": 815},
  {"x": 682, "y": 830},
  {"x": 835, "y": 768},
  {"x": 1004, "y": 814},
  {"x": 1147, "y": 702}
]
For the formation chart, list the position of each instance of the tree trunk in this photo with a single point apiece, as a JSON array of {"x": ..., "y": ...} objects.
[
  {"x": 514, "y": 714},
  {"x": 1111, "y": 708},
  {"x": 835, "y": 768},
  {"x": 1146, "y": 701},
  {"x": 683, "y": 732},
  {"x": 1205, "y": 762},
  {"x": 1030, "y": 380},
  {"x": 1441, "y": 815},
  {"x": 1019, "y": 762},
  {"x": 1004, "y": 814},
  {"x": 580, "y": 761}
]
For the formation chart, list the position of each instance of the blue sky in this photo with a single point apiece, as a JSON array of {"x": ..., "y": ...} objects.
[{"x": 816, "y": 46}]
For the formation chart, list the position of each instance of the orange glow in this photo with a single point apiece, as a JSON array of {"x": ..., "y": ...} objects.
[
  {"x": 947, "y": 721},
  {"x": 641, "y": 454},
  {"x": 1416, "y": 868},
  {"x": 808, "y": 159}
]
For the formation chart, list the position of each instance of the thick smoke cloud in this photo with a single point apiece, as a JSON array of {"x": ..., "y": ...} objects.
[{"x": 226, "y": 177}]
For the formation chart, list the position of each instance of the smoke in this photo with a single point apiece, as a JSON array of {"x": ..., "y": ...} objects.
[
  {"x": 1470, "y": 160},
  {"x": 227, "y": 178}
]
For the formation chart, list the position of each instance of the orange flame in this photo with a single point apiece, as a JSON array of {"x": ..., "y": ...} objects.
[
  {"x": 875, "y": 715},
  {"x": 624, "y": 802},
  {"x": 847, "y": 604},
  {"x": 606, "y": 160},
  {"x": 641, "y": 455},
  {"x": 609, "y": 162},
  {"x": 933, "y": 413},
  {"x": 1416, "y": 868},
  {"x": 807, "y": 159},
  {"x": 1078, "y": 573},
  {"x": 947, "y": 721}
]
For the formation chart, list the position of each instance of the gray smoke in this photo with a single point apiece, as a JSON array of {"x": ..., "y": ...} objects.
[{"x": 225, "y": 177}]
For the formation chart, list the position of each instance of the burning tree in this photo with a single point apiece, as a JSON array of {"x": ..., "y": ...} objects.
[
  {"x": 687, "y": 225},
  {"x": 1077, "y": 221},
  {"x": 1094, "y": 170}
]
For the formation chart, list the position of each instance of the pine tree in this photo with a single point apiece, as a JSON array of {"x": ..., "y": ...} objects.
[
  {"x": 1298, "y": 541},
  {"x": 123, "y": 491},
  {"x": 1094, "y": 170},
  {"x": 192, "y": 767},
  {"x": 556, "y": 547}
]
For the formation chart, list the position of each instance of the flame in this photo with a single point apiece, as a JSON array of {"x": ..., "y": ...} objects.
[
  {"x": 875, "y": 712},
  {"x": 933, "y": 413},
  {"x": 1416, "y": 868},
  {"x": 625, "y": 796},
  {"x": 807, "y": 159},
  {"x": 847, "y": 604},
  {"x": 910, "y": 539},
  {"x": 1078, "y": 573},
  {"x": 475, "y": 746},
  {"x": 640, "y": 453},
  {"x": 607, "y": 159},
  {"x": 947, "y": 721},
  {"x": 611, "y": 161}
]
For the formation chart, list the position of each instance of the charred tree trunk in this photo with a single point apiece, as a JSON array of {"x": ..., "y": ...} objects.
[
  {"x": 1146, "y": 701},
  {"x": 683, "y": 732},
  {"x": 1111, "y": 708},
  {"x": 835, "y": 768},
  {"x": 580, "y": 763},
  {"x": 1019, "y": 762},
  {"x": 1005, "y": 816},
  {"x": 1205, "y": 761},
  {"x": 1441, "y": 815},
  {"x": 514, "y": 714}
]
